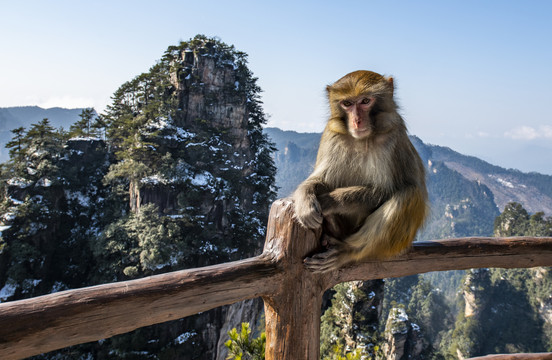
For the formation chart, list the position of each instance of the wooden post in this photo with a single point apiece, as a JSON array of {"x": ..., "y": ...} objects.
[{"x": 292, "y": 313}]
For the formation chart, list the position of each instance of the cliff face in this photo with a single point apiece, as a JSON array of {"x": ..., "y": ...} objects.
[
  {"x": 208, "y": 87},
  {"x": 210, "y": 111},
  {"x": 188, "y": 141},
  {"x": 349, "y": 325},
  {"x": 477, "y": 280},
  {"x": 403, "y": 338}
]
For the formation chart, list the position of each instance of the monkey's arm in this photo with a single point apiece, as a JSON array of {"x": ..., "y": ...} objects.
[
  {"x": 385, "y": 233},
  {"x": 352, "y": 200}
]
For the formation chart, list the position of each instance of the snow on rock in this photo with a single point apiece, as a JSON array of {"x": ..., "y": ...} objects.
[
  {"x": 44, "y": 182},
  {"x": 82, "y": 199},
  {"x": 19, "y": 182},
  {"x": 8, "y": 290},
  {"x": 85, "y": 138},
  {"x": 7, "y": 217},
  {"x": 505, "y": 182},
  {"x": 182, "y": 338},
  {"x": 202, "y": 179},
  {"x": 397, "y": 321},
  {"x": 58, "y": 286},
  {"x": 154, "y": 180}
]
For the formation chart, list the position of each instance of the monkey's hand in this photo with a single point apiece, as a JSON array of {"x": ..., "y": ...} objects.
[{"x": 308, "y": 211}]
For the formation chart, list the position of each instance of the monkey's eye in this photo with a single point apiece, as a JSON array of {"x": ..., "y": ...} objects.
[
  {"x": 366, "y": 101},
  {"x": 346, "y": 103}
]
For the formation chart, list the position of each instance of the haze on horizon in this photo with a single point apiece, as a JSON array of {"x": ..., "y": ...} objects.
[{"x": 473, "y": 76}]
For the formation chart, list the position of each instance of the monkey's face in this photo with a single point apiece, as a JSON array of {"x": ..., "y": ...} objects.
[
  {"x": 362, "y": 105},
  {"x": 360, "y": 122}
]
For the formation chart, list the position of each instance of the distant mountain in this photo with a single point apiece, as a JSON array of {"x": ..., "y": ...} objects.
[
  {"x": 532, "y": 190},
  {"x": 466, "y": 193},
  {"x": 14, "y": 117}
]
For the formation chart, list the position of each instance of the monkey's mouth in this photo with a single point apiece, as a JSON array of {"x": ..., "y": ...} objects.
[{"x": 361, "y": 133}]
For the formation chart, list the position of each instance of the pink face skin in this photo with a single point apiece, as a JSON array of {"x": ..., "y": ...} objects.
[{"x": 358, "y": 115}]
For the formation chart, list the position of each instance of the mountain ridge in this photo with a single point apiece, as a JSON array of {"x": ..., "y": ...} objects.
[
  {"x": 507, "y": 185},
  {"x": 533, "y": 190}
]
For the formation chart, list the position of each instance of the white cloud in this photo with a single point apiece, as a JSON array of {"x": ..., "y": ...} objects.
[
  {"x": 547, "y": 131},
  {"x": 67, "y": 102},
  {"x": 479, "y": 135},
  {"x": 529, "y": 133},
  {"x": 483, "y": 134}
]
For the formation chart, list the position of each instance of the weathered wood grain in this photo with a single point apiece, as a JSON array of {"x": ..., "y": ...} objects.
[
  {"x": 292, "y": 314},
  {"x": 454, "y": 254}
]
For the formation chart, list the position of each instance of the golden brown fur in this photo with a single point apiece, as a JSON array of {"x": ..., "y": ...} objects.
[{"x": 368, "y": 186}]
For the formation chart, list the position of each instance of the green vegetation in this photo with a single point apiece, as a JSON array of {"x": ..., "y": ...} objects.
[
  {"x": 242, "y": 347},
  {"x": 494, "y": 311}
]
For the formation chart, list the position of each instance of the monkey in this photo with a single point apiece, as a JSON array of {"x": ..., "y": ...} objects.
[{"x": 367, "y": 190}]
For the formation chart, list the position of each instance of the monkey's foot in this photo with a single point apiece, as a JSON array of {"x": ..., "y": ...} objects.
[{"x": 323, "y": 262}]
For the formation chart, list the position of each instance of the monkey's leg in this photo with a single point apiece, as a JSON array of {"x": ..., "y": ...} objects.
[
  {"x": 350, "y": 201},
  {"x": 390, "y": 229},
  {"x": 343, "y": 208},
  {"x": 385, "y": 233}
]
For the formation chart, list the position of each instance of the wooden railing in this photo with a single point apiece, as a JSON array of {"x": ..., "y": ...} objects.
[{"x": 292, "y": 295}]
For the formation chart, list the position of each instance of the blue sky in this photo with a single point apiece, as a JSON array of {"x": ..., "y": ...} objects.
[{"x": 471, "y": 75}]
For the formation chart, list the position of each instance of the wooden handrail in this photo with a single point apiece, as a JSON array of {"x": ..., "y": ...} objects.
[{"x": 292, "y": 294}]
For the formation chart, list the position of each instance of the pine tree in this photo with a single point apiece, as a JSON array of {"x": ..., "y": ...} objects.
[
  {"x": 86, "y": 126},
  {"x": 242, "y": 347},
  {"x": 17, "y": 144},
  {"x": 515, "y": 220},
  {"x": 17, "y": 150},
  {"x": 44, "y": 148}
]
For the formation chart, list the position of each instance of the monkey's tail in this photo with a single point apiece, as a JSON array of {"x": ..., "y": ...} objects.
[{"x": 391, "y": 228}]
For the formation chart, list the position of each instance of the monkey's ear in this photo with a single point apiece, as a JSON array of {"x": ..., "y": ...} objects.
[{"x": 390, "y": 82}]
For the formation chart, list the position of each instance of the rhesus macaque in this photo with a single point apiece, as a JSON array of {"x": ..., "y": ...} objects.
[{"x": 367, "y": 189}]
